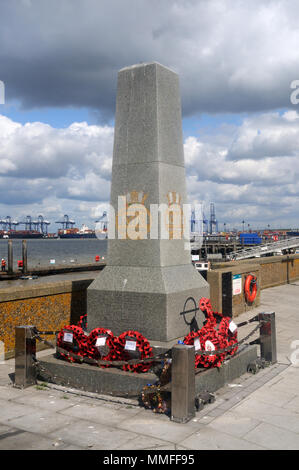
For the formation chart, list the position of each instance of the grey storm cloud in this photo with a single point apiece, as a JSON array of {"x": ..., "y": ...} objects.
[{"x": 232, "y": 55}]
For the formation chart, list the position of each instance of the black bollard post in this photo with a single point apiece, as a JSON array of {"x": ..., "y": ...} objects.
[
  {"x": 183, "y": 383},
  {"x": 24, "y": 255},
  {"x": 25, "y": 356},
  {"x": 10, "y": 258},
  {"x": 268, "y": 336}
]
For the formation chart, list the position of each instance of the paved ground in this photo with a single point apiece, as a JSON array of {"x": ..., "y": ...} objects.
[{"x": 255, "y": 412}]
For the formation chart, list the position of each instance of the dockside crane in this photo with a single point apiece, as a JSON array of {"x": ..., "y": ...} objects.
[
  {"x": 27, "y": 222},
  {"x": 41, "y": 225},
  {"x": 213, "y": 221},
  {"x": 66, "y": 222},
  {"x": 8, "y": 223}
]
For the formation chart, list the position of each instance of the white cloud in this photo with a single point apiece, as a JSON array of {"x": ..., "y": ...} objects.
[
  {"x": 249, "y": 177},
  {"x": 46, "y": 170},
  {"x": 267, "y": 135},
  {"x": 37, "y": 150},
  {"x": 57, "y": 171}
]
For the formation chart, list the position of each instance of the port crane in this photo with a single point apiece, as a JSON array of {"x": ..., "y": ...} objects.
[
  {"x": 66, "y": 222},
  {"x": 8, "y": 223},
  {"x": 27, "y": 222},
  {"x": 213, "y": 220},
  {"x": 39, "y": 225}
]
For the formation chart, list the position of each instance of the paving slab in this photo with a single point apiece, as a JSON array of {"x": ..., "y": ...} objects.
[
  {"x": 165, "y": 447},
  {"x": 159, "y": 426},
  {"x": 41, "y": 421},
  {"x": 273, "y": 437},
  {"x": 10, "y": 410},
  {"x": 23, "y": 440},
  {"x": 146, "y": 443},
  {"x": 88, "y": 434},
  {"x": 46, "y": 399},
  {"x": 275, "y": 397},
  {"x": 209, "y": 438},
  {"x": 102, "y": 414},
  {"x": 293, "y": 404},
  {"x": 8, "y": 392},
  {"x": 233, "y": 424},
  {"x": 288, "y": 422},
  {"x": 254, "y": 408}
]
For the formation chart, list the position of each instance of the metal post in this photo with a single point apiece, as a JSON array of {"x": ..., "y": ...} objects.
[
  {"x": 25, "y": 357},
  {"x": 10, "y": 258},
  {"x": 183, "y": 383},
  {"x": 24, "y": 255},
  {"x": 268, "y": 336}
]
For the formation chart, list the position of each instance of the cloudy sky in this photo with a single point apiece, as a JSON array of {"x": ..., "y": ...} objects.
[{"x": 236, "y": 60}]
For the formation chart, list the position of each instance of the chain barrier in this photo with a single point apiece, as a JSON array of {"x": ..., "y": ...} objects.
[
  {"x": 153, "y": 396},
  {"x": 156, "y": 358}
]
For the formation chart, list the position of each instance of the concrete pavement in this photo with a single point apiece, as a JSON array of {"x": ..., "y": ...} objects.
[{"x": 254, "y": 412}]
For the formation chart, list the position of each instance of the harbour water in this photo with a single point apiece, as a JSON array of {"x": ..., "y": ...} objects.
[{"x": 43, "y": 252}]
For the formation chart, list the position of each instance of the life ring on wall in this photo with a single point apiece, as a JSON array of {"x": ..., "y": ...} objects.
[{"x": 250, "y": 288}]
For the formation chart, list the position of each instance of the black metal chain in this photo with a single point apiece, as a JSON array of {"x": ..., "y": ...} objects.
[
  {"x": 152, "y": 359},
  {"x": 157, "y": 358},
  {"x": 37, "y": 336},
  {"x": 243, "y": 323},
  {"x": 100, "y": 362}
]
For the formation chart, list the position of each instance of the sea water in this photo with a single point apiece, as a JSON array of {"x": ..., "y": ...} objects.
[{"x": 50, "y": 252}]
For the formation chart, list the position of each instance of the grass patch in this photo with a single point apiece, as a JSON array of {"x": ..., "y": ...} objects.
[{"x": 41, "y": 386}]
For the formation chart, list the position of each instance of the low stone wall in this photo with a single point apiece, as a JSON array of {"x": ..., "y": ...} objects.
[
  {"x": 274, "y": 270},
  {"x": 48, "y": 306},
  {"x": 53, "y": 304},
  {"x": 281, "y": 270},
  {"x": 223, "y": 296}
]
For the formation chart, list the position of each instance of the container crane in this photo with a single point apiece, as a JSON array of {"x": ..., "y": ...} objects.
[
  {"x": 8, "y": 223},
  {"x": 66, "y": 222},
  {"x": 41, "y": 225},
  {"x": 213, "y": 221}
]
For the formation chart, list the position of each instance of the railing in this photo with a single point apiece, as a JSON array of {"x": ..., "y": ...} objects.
[{"x": 264, "y": 249}]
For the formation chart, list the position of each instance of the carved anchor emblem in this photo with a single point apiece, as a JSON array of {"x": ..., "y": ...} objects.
[{"x": 193, "y": 323}]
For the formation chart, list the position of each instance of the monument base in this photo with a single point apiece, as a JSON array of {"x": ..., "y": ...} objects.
[
  {"x": 147, "y": 299},
  {"x": 117, "y": 382}
]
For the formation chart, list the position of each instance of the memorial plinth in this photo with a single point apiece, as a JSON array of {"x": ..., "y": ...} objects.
[{"x": 146, "y": 280}]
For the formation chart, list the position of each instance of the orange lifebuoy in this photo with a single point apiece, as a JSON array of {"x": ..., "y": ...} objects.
[{"x": 250, "y": 288}]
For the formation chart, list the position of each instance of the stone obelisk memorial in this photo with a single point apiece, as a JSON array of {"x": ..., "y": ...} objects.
[{"x": 148, "y": 277}]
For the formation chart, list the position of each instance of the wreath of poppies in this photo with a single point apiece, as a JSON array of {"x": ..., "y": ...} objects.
[
  {"x": 133, "y": 345},
  {"x": 73, "y": 339},
  {"x": 209, "y": 338},
  {"x": 218, "y": 332},
  {"x": 101, "y": 345}
]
